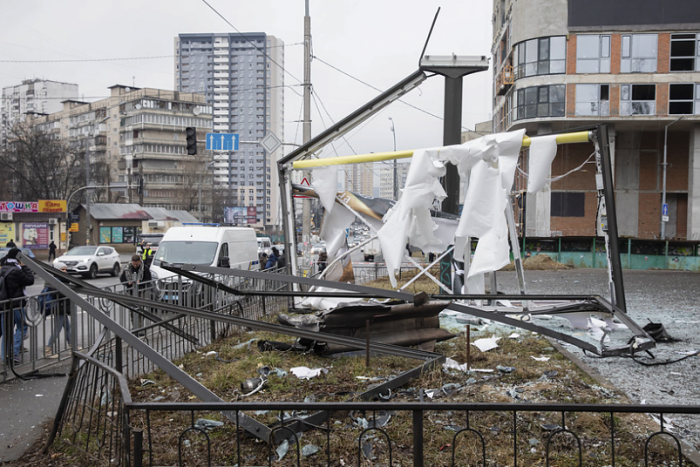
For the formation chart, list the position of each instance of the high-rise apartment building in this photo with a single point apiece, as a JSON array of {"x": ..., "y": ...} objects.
[
  {"x": 631, "y": 64},
  {"x": 359, "y": 178},
  {"x": 139, "y": 134},
  {"x": 242, "y": 77},
  {"x": 386, "y": 179},
  {"x": 33, "y": 96}
]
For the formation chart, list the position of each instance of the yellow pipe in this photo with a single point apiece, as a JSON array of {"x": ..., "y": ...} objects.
[{"x": 564, "y": 138}]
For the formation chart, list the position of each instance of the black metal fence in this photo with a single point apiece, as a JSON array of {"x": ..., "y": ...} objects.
[
  {"x": 48, "y": 334},
  {"x": 108, "y": 428}
]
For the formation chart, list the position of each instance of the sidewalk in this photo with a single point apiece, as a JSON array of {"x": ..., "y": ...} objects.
[{"x": 26, "y": 405}]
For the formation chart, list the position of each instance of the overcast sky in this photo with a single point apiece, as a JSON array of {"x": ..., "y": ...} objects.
[{"x": 375, "y": 41}]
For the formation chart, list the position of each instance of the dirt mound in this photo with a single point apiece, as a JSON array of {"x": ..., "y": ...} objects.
[{"x": 539, "y": 262}]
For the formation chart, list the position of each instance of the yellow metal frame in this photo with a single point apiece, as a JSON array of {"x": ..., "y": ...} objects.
[{"x": 564, "y": 138}]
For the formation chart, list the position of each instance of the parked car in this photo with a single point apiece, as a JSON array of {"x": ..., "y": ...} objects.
[
  {"x": 89, "y": 261},
  {"x": 25, "y": 252}
]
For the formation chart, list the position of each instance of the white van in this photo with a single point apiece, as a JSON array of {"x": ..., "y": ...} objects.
[{"x": 208, "y": 245}]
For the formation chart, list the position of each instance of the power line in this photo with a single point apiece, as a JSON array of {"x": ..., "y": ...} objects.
[
  {"x": 378, "y": 90},
  {"x": 74, "y": 60}
]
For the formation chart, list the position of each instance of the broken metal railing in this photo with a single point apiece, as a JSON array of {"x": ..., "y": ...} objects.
[
  {"x": 640, "y": 341},
  {"x": 143, "y": 348}
]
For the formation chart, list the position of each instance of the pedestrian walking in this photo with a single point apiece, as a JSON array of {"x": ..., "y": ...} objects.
[
  {"x": 137, "y": 280},
  {"x": 262, "y": 260},
  {"x": 17, "y": 276},
  {"x": 59, "y": 306},
  {"x": 11, "y": 244},
  {"x": 52, "y": 250}
]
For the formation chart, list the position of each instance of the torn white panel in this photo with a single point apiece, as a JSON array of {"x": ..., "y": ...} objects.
[
  {"x": 540, "y": 359},
  {"x": 410, "y": 216},
  {"x": 333, "y": 229},
  {"x": 325, "y": 303},
  {"x": 486, "y": 344},
  {"x": 543, "y": 149},
  {"x": 490, "y": 180},
  {"x": 325, "y": 183}
]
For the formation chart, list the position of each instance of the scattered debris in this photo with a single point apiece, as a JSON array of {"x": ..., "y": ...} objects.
[
  {"x": 506, "y": 369},
  {"x": 658, "y": 332},
  {"x": 486, "y": 344},
  {"x": 304, "y": 372},
  {"x": 540, "y": 359},
  {"x": 309, "y": 450},
  {"x": 551, "y": 427},
  {"x": 207, "y": 424},
  {"x": 146, "y": 382}
]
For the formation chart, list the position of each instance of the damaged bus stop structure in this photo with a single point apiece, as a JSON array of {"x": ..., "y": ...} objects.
[{"x": 489, "y": 165}]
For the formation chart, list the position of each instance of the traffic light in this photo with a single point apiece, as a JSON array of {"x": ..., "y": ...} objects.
[{"x": 191, "y": 134}]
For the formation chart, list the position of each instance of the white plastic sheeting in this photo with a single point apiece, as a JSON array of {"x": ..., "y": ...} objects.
[
  {"x": 410, "y": 216},
  {"x": 543, "y": 149},
  {"x": 489, "y": 163},
  {"x": 325, "y": 183}
]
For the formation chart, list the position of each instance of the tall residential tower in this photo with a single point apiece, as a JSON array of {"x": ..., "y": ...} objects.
[{"x": 242, "y": 77}]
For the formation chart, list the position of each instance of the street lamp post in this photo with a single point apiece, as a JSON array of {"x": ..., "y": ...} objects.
[{"x": 396, "y": 182}]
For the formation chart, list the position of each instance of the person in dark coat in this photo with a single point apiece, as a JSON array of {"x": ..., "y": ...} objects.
[
  {"x": 17, "y": 277},
  {"x": 322, "y": 260},
  {"x": 272, "y": 259},
  {"x": 137, "y": 280},
  {"x": 262, "y": 260},
  {"x": 52, "y": 250},
  {"x": 60, "y": 307},
  {"x": 11, "y": 244}
]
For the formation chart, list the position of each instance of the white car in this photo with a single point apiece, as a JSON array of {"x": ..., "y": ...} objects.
[{"x": 90, "y": 260}]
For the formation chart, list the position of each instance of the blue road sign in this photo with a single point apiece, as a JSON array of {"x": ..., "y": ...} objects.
[
  {"x": 222, "y": 141},
  {"x": 664, "y": 209}
]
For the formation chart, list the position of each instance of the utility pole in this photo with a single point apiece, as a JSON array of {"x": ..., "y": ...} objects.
[
  {"x": 396, "y": 181},
  {"x": 306, "y": 204},
  {"x": 141, "y": 184}
]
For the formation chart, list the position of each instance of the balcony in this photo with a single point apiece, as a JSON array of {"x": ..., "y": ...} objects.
[{"x": 504, "y": 80}]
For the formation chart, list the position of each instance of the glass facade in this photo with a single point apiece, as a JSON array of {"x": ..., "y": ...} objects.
[{"x": 543, "y": 56}]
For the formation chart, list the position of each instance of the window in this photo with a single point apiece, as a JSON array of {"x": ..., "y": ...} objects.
[
  {"x": 592, "y": 100},
  {"x": 541, "y": 56},
  {"x": 541, "y": 101},
  {"x": 593, "y": 54},
  {"x": 638, "y": 53},
  {"x": 568, "y": 204},
  {"x": 637, "y": 99},
  {"x": 684, "y": 52},
  {"x": 684, "y": 99}
]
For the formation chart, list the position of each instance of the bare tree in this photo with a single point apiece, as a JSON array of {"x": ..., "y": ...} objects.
[
  {"x": 38, "y": 166},
  {"x": 192, "y": 174}
]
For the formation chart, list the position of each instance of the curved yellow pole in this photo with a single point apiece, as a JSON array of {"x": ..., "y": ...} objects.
[{"x": 564, "y": 138}]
